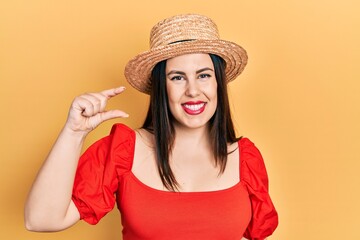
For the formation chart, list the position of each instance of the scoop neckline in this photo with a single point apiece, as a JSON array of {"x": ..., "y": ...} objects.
[{"x": 149, "y": 188}]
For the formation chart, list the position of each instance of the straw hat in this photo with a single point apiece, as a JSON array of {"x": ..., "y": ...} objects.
[{"x": 183, "y": 34}]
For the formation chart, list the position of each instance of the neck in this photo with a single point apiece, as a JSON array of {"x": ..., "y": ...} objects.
[{"x": 193, "y": 137}]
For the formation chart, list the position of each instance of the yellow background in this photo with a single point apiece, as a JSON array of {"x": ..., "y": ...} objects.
[{"x": 298, "y": 99}]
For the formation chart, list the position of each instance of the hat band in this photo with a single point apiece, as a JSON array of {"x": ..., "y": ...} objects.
[{"x": 179, "y": 41}]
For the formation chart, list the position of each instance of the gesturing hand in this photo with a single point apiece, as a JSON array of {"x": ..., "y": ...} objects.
[{"x": 87, "y": 111}]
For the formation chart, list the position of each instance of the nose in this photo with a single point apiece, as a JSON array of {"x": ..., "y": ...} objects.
[{"x": 192, "y": 88}]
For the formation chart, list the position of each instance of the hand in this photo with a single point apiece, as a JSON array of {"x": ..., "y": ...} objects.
[{"x": 87, "y": 111}]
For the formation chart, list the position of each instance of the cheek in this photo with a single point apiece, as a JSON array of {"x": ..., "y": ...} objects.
[
  {"x": 212, "y": 96},
  {"x": 211, "y": 91},
  {"x": 215, "y": 102},
  {"x": 173, "y": 93}
]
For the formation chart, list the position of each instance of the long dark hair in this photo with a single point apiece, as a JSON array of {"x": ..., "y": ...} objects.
[{"x": 159, "y": 122}]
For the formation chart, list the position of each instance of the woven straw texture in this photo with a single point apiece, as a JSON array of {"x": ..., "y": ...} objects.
[{"x": 183, "y": 34}]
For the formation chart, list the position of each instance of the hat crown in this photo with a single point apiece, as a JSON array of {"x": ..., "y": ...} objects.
[
  {"x": 183, "y": 34},
  {"x": 182, "y": 28}
]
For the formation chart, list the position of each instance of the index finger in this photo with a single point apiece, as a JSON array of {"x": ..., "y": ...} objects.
[{"x": 109, "y": 93}]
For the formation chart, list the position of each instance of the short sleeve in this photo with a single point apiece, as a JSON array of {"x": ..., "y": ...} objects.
[
  {"x": 253, "y": 172},
  {"x": 96, "y": 180}
]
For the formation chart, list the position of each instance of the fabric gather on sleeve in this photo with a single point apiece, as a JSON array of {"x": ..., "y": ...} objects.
[
  {"x": 253, "y": 172},
  {"x": 97, "y": 175}
]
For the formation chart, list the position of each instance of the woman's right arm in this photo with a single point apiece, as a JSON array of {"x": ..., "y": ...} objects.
[{"x": 49, "y": 206}]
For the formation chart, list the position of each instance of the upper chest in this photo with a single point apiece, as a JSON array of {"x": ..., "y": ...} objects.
[{"x": 194, "y": 171}]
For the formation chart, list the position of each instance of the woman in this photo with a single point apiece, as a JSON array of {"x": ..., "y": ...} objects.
[{"x": 184, "y": 174}]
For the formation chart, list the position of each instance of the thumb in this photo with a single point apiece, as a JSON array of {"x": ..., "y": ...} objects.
[{"x": 104, "y": 116}]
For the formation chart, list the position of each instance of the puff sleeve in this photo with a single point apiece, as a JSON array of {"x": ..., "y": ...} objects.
[
  {"x": 253, "y": 172},
  {"x": 97, "y": 174}
]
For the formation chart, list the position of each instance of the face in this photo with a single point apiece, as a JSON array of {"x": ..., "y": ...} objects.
[{"x": 192, "y": 89}]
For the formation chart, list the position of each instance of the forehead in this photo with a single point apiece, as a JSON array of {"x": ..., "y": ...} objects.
[{"x": 189, "y": 62}]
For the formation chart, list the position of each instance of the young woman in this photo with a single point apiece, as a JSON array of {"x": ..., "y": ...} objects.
[{"x": 184, "y": 174}]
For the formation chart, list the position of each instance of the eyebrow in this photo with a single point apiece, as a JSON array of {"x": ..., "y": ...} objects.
[{"x": 183, "y": 73}]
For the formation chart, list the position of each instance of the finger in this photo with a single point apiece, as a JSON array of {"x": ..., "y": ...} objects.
[
  {"x": 88, "y": 104},
  {"x": 112, "y": 114},
  {"x": 98, "y": 100},
  {"x": 87, "y": 108},
  {"x": 81, "y": 105},
  {"x": 94, "y": 121},
  {"x": 109, "y": 93}
]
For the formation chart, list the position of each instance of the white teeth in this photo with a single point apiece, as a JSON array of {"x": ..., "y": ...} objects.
[{"x": 194, "y": 107}]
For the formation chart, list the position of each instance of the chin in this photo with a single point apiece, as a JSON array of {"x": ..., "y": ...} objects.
[{"x": 192, "y": 124}]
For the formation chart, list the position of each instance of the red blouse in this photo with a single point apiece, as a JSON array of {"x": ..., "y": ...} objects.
[{"x": 104, "y": 177}]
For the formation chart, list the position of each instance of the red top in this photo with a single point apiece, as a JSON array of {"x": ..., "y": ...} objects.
[{"x": 104, "y": 177}]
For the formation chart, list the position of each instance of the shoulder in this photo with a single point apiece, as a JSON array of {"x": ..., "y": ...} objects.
[
  {"x": 120, "y": 134},
  {"x": 145, "y": 145},
  {"x": 145, "y": 136},
  {"x": 245, "y": 142},
  {"x": 254, "y": 175},
  {"x": 121, "y": 128},
  {"x": 252, "y": 163},
  {"x": 248, "y": 149},
  {"x": 119, "y": 142}
]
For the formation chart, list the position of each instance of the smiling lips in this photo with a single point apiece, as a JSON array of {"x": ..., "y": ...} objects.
[{"x": 194, "y": 108}]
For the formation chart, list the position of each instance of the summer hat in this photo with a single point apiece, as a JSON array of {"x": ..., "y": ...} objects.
[{"x": 183, "y": 34}]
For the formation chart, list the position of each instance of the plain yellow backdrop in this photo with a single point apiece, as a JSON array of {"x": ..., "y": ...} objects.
[{"x": 298, "y": 99}]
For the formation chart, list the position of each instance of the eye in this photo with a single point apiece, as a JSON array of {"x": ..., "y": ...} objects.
[
  {"x": 176, "y": 78},
  {"x": 204, "y": 75}
]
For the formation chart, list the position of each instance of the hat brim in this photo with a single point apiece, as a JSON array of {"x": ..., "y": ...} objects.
[{"x": 138, "y": 70}]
